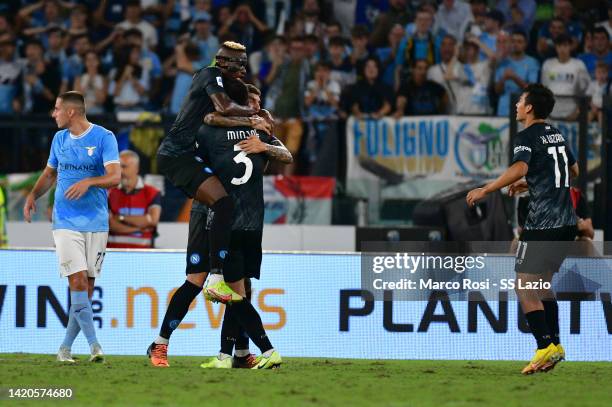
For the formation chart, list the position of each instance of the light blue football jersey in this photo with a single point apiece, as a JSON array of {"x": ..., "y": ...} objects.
[{"x": 76, "y": 158}]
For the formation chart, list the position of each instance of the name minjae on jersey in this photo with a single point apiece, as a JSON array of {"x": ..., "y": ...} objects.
[{"x": 241, "y": 134}]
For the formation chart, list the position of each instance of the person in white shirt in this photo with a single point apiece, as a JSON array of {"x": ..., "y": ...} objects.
[
  {"x": 451, "y": 18},
  {"x": 133, "y": 19},
  {"x": 598, "y": 87},
  {"x": 566, "y": 77},
  {"x": 474, "y": 77},
  {"x": 447, "y": 72}
]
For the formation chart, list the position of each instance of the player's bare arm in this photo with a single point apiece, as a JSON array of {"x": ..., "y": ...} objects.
[
  {"x": 276, "y": 151},
  {"x": 227, "y": 107},
  {"x": 112, "y": 178},
  {"x": 44, "y": 182},
  {"x": 516, "y": 171},
  {"x": 256, "y": 122}
]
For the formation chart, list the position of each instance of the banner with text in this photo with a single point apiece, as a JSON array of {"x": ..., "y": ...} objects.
[{"x": 342, "y": 320}]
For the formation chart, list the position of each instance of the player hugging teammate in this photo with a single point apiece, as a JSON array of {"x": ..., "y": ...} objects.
[
  {"x": 543, "y": 157},
  {"x": 226, "y": 227}
]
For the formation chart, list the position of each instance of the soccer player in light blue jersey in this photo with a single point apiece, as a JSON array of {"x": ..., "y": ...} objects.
[{"x": 84, "y": 159}]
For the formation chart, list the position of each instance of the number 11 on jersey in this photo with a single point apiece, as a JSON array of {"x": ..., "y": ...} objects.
[{"x": 553, "y": 151}]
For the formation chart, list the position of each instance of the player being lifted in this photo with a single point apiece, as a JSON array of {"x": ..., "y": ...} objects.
[
  {"x": 543, "y": 157},
  {"x": 176, "y": 154},
  {"x": 227, "y": 149},
  {"x": 177, "y": 161},
  {"x": 197, "y": 270},
  {"x": 85, "y": 162}
]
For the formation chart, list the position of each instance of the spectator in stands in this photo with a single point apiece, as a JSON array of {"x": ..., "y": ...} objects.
[
  {"x": 607, "y": 24},
  {"x": 527, "y": 9},
  {"x": 566, "y": 77},
  {"x": 397, "y": 14},
  {"x": 546, "y": 38},
  {"x": 10, "y": 75},
  {"x": 77, "y": 25},
  {"x": 41, "y": 80},
  {"x": 39, "y": 22},
  {"x": 92, "y": 84},
  {"x": 73, "y": 66},
  {"x": 370, "y": 98},
  {"x": 56, "y": 49},
  {"x": 312, "y": 50},
  {"x": 451, "y": 18},
  {"x": 479, "y": 12},
  {"x": 359, "y": 52},
  {"x": 564, "y": 14},
  {"x": 148, "y": 60},
  {"x": 286, "y": 95},
  {"x": 185, "y": 62},
  {"x": 332, "y": 29},
  {"x": 600, "y": 50},
  {"x": 514, "y": 72},
  {"x": 598, "y": 87},
  {"x": 420, "y": 45},
  {"x": 130, "y": 82},
  {"x": 133, "y": 19},
  {"x": 134, "y": 207},
  {"x": 311, "y": 15},
  {"x": 6, "y": 27},
  {"x": 475, "y": 77},
  {"x": 448, "y": 72},
  {"x": 245, "y": 27},
  {"x": 261, "y": 61},
  {"x": 321, "y": 102},
  {"x": 341, "y": 68},
  {"x": 387, "y": 55},
  {"x": 207, "y": 43},
  {"x": 493, "y": 23},
  {"x": 420, "y": 96},
  {"x": 322, "y": 93}
]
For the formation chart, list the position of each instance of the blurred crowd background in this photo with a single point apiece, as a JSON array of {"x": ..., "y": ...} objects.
[{"x": 315, "y": 61}]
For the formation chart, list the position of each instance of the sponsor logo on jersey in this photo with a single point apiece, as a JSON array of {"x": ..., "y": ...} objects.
[
  {"x": 518, "y": 149},
  {"x": 219, "y": 81},
  {"x": 223, "y": 254},
  {"x": 74, "y": 167}
]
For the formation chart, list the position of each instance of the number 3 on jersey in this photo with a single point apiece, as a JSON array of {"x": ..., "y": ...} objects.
[
  {"x": 553, "y": 151},
  {"x": 241, "y": 157}
]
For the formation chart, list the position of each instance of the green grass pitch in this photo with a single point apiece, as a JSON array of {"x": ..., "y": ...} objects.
[{"x": 131, "y": 381}]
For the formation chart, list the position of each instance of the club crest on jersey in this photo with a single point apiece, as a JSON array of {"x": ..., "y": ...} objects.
[
  {"x": 194, "y": 258},
  {"x": 90, "y": 150},
  {"x": 219, "y": 81}
]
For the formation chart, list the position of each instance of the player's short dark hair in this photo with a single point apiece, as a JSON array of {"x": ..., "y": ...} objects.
[
  {"x": 75, "y": 98},
  {"x": 540, "y": 98},
  {"x": 253, "y": 89},
  {"x": 236, "y": 90}
]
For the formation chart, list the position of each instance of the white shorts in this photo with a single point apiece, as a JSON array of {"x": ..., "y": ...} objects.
[{"x": 78, "y": 251}]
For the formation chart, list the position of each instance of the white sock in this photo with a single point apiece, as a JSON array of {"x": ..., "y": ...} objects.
[
  {"x": 241, "y": 353},
  {"x": 161, "y": 341},
  {"x": 268, "y": 353},
  {"x": 223, "y": 356}
]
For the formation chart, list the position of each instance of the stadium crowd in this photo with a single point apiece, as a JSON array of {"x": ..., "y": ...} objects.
[{"x": 316, "y": 61}]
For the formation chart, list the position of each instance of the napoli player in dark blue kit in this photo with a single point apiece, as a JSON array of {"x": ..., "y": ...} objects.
[{"x": 543, "y": 157}]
